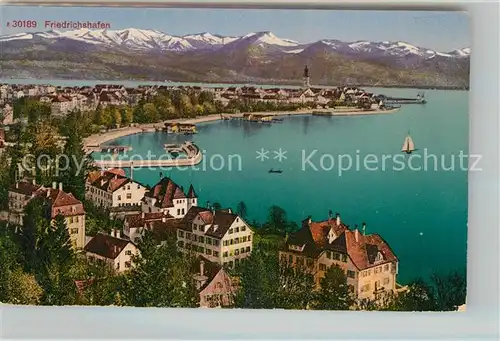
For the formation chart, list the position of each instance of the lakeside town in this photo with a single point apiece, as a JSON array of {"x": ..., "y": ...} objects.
[{"x": 107, "y": 239}]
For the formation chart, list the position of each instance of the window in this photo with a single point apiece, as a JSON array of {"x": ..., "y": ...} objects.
[
  {"x": 344, "y": 258},
  {"x": 216, "y": 254},
  {"x": 236, "y": 230},
  {"x": 129, "y": 195},
  {"x": 386, "y": 280},
  {"x": 178, "y": 211},
  {"x": 118, "y": 266},
  {"x": 224, "y": 254},
  {"x": 138, "y": 186},
  {"x": 208, "y": 252},
  {"x": 243, "y": 228},
  {"x": 188, "y": 235},
  {"x": 336, "y": 256},
  {"x": 77, "y": 219},
  {"x": 230, "y": 231},
  {"x": 200, "y": 239},
  {"x": 231, "y": 242},
  {"x": 119, "y": 197},
  {"x": 208, "y": 241},
  {"x": 244, "y": 239},
  {"x": 182, "y": 211},
  {"x": 375, "y": 270},
  {"x": 328, "y": 255},
  {"x": 247, "y": 249},
  {"x": 73, "y": 231},
  {"x": 195, "y": 227},
  {"x": 128, "y": 187},
  {"x": 236, "y": 240},
  {"x": 180, "y": 243},
  {"x": 351, "y": 274},
  {"x": 301, "y": 261},
  {"x": 250, "y": 238},
  {"x": 309, "y": 262},
  {"x": 128, "y": 253},
  {"x": 242, "y": 250},
  {"x": 127, "y": 265},
  {"x": 322, "y": 267},
  {"x": 386, "y": 267},
  {"x": 216, "y": 242},
  {"x": 181, "y": 234},
  {"x": 226, "y": 242},
  {"x": 236, "y": 252}
]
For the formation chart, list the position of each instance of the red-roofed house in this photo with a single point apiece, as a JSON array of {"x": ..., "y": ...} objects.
[
  {"x": 115, "y": 251},
  {"x": 112, "y": 189},
  {"x": 369, "y": 263},
  {"x": 218, "y": 235},
  {"x": 167, "y": 196},
  {"x": 59, "y": 202},
  {"x": 216, "y": 287}
]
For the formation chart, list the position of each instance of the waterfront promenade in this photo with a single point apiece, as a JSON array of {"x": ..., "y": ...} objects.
[{"x": 98, "y": 139}]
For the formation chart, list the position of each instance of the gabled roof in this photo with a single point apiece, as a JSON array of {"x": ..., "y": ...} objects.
[
  {"x": 165, "y": 191},
  {"x": 110, "y": 180},
  {"x": 220, "y": 221},
  {"x": 106, "y": 246},
  {"x": 191, "y": 193},
  {"x": 25, "y": 187},
  {"x": 139, "y": 219},
  {"x": 210, "y": 270},
  {"x": 362, "y": 251}
]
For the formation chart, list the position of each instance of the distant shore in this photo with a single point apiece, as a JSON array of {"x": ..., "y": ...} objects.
[
  {"x": 101, "y": 138},
  {"x": 256, "y": 83}
]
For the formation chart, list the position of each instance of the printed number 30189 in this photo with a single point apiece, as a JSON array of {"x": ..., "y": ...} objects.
[{"x": 23, "y": 23}]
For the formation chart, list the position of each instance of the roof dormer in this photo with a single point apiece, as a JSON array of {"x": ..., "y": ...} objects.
[{"x": 298, "y": 248}]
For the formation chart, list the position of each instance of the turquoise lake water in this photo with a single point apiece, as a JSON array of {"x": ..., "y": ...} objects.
[{"x": 422, "y": 214}]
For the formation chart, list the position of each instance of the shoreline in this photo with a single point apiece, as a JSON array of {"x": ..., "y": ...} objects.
[{"x": 101, "y": 138}]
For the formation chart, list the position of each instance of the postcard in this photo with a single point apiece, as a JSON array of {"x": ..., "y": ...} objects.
[{"x": 234, "y": 158}]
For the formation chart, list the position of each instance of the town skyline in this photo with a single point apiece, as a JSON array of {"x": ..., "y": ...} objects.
[{"x": 443, "y": 31}]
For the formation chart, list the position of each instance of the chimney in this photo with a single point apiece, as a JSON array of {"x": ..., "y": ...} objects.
[
  {"x": 117, "y": 233},
  {"x": 112, "y": 233},
  {"x": 33, "y": 182},
  {"x": 337, "y": 216},
  {"x": 330, "y": 215},
  {"x": 17, "y": 184},
  {"x": 143, "y": 215},
  {"x": 165, "y": 213},
  {"x": 356, "y": 235},
  {"x": 364, "y": 228},
  {"x": 163, "y": 220},
  {"x": 309, "y": 219},
  {"x": 202, "y": 268},
  {"x": 54, "y": 185},
  {"x": 115, "y": 249},
  {"x": 229, "y": 210},
  {"x": 60, "y": 186},
  {"x": 48, "y": 193}
]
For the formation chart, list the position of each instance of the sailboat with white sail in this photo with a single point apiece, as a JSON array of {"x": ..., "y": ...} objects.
[{"x": 408, "y": 145}]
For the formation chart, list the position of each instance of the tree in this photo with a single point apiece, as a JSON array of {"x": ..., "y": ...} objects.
[
  {"x": 185, "y": 106},
  {"x": 209, "y": 108},
  {"x": 216, "y": 206},
  {"x": 259, "y": 282},
  {"x": 198, "y": 110},
  {"x": 418, "y": 297},
  {"x": 161, "y": 277},
  {"x": 75, "y": 164},
  {"x": 206, "y": 97},
  {"x": 151, "y": 114},
  {"x": 242, "y": 209},
  {"x": 334, "y": 293},
  {"x": 9, "y": 259},
  {"x": 451, "y": 290},
  {"x": 296, "y": 288},
  {"x": 117, "y": 118},
  {"x": 127, "y": 115},
  {"x": 24, "y": 289},
  {"x": 276, "y": 219},
  {"x": 45, "y": 148}
]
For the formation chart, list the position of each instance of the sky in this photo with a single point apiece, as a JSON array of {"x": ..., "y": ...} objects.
[{"x": 442, "y": 31}]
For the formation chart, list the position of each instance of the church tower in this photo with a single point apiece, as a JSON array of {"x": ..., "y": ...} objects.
[{"x": 306, "y": 77}]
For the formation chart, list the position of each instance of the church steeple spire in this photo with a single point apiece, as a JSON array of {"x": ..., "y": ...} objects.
[{"x": 306, "y": 77}]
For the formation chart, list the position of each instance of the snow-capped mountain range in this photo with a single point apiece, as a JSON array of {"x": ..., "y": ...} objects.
[{"x": 140, "y": 39}]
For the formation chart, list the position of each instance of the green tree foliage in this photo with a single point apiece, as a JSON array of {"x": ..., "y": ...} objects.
[
  {"x": 162, "y": 277},
  {"x": 241, "y": 209},
  {"x": 296, "y": 288},
  {"x": 334, "y": 293},
  {"x": 74, "y": 164},
  {"x": 150, "y": 112},
  {"x": 259, "y": 282},
  {"x": 24, "y": 289},
  {"x": 127, "y": 115}
]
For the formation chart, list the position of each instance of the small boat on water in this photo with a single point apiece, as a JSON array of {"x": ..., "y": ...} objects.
[
  {"x": 275, "y": 171},
  {"x": 408, "y": 145},
  {"x": 174, "y": 154}
]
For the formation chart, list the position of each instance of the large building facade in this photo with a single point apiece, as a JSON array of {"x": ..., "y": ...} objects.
[{"x": 369, "y": 263}]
